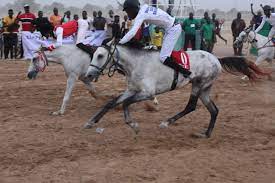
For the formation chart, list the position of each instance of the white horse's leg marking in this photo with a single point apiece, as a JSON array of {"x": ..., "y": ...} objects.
[{"x": 69, "y": 88}]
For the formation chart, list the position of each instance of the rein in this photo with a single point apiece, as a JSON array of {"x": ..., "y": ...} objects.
[{"x": 112, "y": 57}]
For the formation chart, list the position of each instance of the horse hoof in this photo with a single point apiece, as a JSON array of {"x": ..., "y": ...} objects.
[
  {"x": 135, "y": 127},
  {"x": 199, "y": 135},
  {"x": 57, "y": 113},
  {"x": 88, "y": 126},
  {"x": 164, "y": 124}
]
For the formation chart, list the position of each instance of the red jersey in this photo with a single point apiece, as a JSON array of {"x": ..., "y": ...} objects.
[
  {"x": 26, "y": 20},
  {"x": 69, "y": 28}
]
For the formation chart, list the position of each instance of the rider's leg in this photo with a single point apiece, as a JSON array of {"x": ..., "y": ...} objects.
[
  {"x": 170, "y": 39},
  {"x": 271, "y": 33},
  {"x": 59, "y": 39}
]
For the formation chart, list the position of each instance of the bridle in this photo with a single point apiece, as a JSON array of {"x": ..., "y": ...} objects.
[
  {"x": 43, "y": 57},
  {"x": 113, "y": 58}
]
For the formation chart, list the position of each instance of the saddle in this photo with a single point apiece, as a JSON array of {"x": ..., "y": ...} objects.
[{"x": 182, "y": 58}]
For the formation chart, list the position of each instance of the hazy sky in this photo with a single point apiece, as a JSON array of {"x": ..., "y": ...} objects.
[{"x": 204, "y": 4}]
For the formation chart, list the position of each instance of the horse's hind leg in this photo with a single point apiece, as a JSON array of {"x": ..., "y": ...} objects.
[
  {"x": 69, "y": 88},
  {"x": 190, "y": 107},
  {"x": 212, "y": 108}
]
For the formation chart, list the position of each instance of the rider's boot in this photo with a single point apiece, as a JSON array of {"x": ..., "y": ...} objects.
[{"x": 172, "y": 64}]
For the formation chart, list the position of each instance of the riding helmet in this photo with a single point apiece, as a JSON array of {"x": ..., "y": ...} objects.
[{"x": 131, "y": 4}]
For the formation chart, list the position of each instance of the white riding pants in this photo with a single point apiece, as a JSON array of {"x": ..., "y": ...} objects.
[{"x": 169, "y": 41}]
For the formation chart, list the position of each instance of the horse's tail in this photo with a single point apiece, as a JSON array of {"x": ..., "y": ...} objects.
[{"x": 237, "y": 65}]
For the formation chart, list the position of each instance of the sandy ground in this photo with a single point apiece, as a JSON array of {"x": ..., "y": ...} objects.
[{"x": 37, "y": 147}]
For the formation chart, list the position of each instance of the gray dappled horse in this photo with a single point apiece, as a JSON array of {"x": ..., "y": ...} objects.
[{"x": 146, "y": 77}]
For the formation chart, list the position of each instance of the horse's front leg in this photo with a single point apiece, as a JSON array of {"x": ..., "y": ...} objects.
[
  {"x": 110, "y": 105},
  {"x": 69, "y": 88},
  {"x": 90, "y": 87},
  {"x": 134, "y": 99}
]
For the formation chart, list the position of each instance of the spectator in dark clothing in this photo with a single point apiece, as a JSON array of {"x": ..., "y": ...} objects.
[
  {"x": 99, "y": 22},
  {"x": 125, "y": 26},
  {"x": 218, "y": 25},
  {"x": 237, "y": 26},
  {"x": 190, "y": 26},
  {"x": 43, "y": 25},
  {"x": 76, "y": 17},
  {"x": 116, "y": 32},
  {"x": 257, "y": 19}
]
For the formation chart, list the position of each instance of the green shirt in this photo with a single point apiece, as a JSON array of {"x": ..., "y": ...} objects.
[
  {"x": 208, "y": 31},
  {"x": 190, "y": 26}
]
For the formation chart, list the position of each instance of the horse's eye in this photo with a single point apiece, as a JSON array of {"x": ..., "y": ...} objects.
[{"x": 100, "y": 56}]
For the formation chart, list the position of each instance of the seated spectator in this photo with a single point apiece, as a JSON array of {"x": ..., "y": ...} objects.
[
  {"x": 43, "y": 25},
  {"x": 157, "y": 38},
  {"x": 55, "y": 19}
]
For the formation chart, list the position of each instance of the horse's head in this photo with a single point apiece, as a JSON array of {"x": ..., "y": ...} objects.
[
  {"x": 37, "y": 64},
  {"x": 103, "y": 59},
  {"x": 248, "y": 35}
]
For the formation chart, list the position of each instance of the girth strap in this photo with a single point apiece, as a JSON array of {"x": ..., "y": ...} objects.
[{"x": 175, "y": 81}]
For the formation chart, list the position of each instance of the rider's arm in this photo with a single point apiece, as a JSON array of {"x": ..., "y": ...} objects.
[
  {"x": 132, "y": 32},
  {"x": 261, "y": 26}
]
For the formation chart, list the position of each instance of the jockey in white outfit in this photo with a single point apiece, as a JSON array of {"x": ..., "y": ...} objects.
[
  {"x": 159, "y": 18},
  {"x": 270, "y": 18}
]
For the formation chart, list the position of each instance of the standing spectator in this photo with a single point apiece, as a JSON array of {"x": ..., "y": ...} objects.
[
  {"x": 205, "y": 17},
  {"x": 257, "y": 19},
  {"x": 109, "y": 23},
  {"x": 99, "y": 22},
  {"x": 26, "y": 19},
  {"x": 146, "y": 34},
  {"x": 83, "y": 27},
  {"x": 66, "y": 18},
  {"x": 190, "y": 26},
  {"x": 55, "y": 19},
  {"x": 10, "y": 35},
  {"x": 125, "y": 26},
  {"x": 116, "y": 31},
  {"x": 43, "y": 25},
  {"x": 217, "y": 25},
  {"x": 237, "y": 26},
  {"x": 93, "y": 19},
  {"x": 76, "y": 17},
  {"x": 157, "y": 38},
  {"x": 208, "y": 35}
]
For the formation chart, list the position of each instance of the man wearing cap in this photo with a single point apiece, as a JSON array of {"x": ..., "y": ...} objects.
[
  {"x": 270, "y": 18},
  {"x": 160, "y": 18},
  {"x": 27, "y": 26}
]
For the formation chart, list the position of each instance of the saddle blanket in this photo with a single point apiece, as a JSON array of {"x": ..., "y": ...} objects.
[{"x": 182, "y": 58}]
